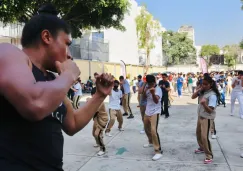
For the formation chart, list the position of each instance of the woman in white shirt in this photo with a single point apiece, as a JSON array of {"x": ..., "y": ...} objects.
[{"x": 78, "y": 94}]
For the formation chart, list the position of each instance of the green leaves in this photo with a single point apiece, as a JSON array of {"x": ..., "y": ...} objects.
[
  {"x": 241, "y": 44},
  {"x": 148, "y": 30},
  {"x": 80, "y": 14},
  {"x": 231, "y": 53},
  {"x": 209, "y": 50},
  {"x": 178, "y": 48}
]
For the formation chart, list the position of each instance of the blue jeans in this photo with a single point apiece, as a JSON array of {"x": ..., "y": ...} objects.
[
  {"x": 223, "y": 97},
  {"x": 179, "y": 90}
]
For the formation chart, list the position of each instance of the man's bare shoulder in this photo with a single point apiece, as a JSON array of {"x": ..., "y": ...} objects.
[{"x": 10, "y": 51}]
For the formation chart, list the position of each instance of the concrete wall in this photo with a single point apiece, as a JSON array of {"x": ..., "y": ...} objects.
[
  {"x": 124, "y": 45},
  {"x": 88, "y": 68}
]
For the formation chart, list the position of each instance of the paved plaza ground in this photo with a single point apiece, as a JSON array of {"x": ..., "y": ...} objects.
[{"x": 178, "y": 140}]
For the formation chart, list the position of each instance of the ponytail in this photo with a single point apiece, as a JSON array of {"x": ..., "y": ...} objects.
[{"x": 213, "y": 86}]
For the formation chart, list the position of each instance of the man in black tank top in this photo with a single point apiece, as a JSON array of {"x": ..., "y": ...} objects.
[{"x": 33, "y": 102}]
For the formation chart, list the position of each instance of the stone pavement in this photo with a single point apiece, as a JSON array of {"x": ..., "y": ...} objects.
[{"x": 177, "y": 134}]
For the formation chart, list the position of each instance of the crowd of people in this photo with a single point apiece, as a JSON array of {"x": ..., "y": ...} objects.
[
  {"x": 155, "y": 95},
  {"x": 35, "y": 107}
]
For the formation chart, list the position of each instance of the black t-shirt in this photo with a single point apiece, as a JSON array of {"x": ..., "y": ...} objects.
[
  {"x": 27, "y": 146},
  {"x": 167, "y": 85}
]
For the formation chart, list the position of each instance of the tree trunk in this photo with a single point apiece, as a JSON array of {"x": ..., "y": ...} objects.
[{"x": 148, "y": 57}]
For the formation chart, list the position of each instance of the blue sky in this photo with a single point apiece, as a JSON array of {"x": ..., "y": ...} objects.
[{"x": 215, "y": 21}]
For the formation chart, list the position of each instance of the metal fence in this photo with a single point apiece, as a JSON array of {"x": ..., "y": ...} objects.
[{"x": 96, "y": 50}]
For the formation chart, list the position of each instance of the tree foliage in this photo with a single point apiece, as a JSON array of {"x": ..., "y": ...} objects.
[
  {"x": 178, "y": 48},
  {"x": 80, "y": 14},
  {"x": 241, "y": 44},
  {"x": 231, "y": 53},
  {"x": 148, "y": 30},
  {"x": 209, "y": 50}
]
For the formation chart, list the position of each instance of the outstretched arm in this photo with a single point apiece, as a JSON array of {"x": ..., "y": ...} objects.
[{"x": 76, "y": 120}]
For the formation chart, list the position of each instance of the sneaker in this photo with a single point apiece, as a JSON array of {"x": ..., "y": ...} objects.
[
  {"x": 241, "y": 155},
  {"x": 157, "y": 157},
  {"x": 208, "y": 161},
  {"x": 130, "y": 117},
  {"x": 147, "y": 145},
  {"x": 142, "y": 132},
  {"x": 108, "y": 134},
  {"x": 125, "y": 114},
  {"x": 199, "y": 151},
  {"x": 121, "y": 129},
  {"x": 241, "y": 117},
  {"x": 167, "y": 117},
  {"x": 214, "y": 136},
  {"x": 100, "y": 153},
  {"x": 96, "y": 146},
  {"x": 231, "y": 114}
]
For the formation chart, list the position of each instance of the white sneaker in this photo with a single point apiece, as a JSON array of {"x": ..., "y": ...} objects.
[
  {"x": 214, "y": 136},
  {"x": 241, "y": 117},
  {"x": 148, "y": 145},
  {"x": 157, "y": 157},
  {"x": 231, "y": 114},
  {"x": 100, "y": 153},
  {"x": 142, "y": 132},
  {"x": 96, "y": 146},
  {"x": 121, "y": 129},
  {"x": 108, "y": 134},
  {"x": 241, "y": 155}
]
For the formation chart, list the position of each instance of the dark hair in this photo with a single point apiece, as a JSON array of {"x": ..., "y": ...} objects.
[
  {"x": 150, "y": 79},
  {"x": 206, "y": 75},
  {"x": 45, "y": 20},
  {"x": 116, "y": 81},
  {"x": 93, "y": 91},
  {"x": 165, "y": 75},
  {"x": 140, "y": 76},
  {"x": 240, "y": 73},
  {"x": 121, "y": 78},
  {"x": 214, "y": 86}
]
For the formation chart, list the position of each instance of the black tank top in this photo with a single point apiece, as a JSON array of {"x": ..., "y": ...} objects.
[{"x": 26, "y": 145}]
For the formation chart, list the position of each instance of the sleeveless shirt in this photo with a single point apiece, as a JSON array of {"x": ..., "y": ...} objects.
[{"x": 26, "y": 145}]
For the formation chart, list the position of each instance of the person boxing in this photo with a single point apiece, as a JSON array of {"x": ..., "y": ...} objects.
[{"x": 34, "y": 103}]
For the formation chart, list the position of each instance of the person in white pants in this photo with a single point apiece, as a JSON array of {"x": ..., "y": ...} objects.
[{"x": 237, "y": 93}]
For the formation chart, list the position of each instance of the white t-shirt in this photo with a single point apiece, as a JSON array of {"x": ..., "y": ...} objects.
[
  {"x": 238, "y": 86},
  {"x": 78, "y": 87},
  {"x": 194, "y": 82},
  {"x": 135, "y": 83},
  {"x": 151, "y": 107},
  {"x": 115, "y": 99},
  {"x": 157, "y": 82},
  {"x": 229, "y": 80}
]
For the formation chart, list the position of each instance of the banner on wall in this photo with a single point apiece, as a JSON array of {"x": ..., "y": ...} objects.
[
  {"x": 123, "y": 69},
  {"x": 204, "y": 66}
]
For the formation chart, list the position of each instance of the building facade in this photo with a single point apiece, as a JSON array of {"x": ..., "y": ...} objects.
[
  {"x": 189, "y": 30},
  {"x": 112, "y": 45},
  {"x": 11, "y": 33}
]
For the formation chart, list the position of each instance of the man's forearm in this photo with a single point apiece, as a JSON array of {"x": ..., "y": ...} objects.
[
  {"x": 84, "y": 114},
  {"x": 49, "y": 95}
]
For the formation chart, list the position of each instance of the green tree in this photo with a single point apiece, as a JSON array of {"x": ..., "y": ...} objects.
[
  {"x": 241, "y": 44},
  {"x": 231, "y": 53},
  {"x": 209, "y": 50},
  {"x": 80, "y": 14},
  {"x": 178, "y": 48},
  {"x": 148, "y": 30}
]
